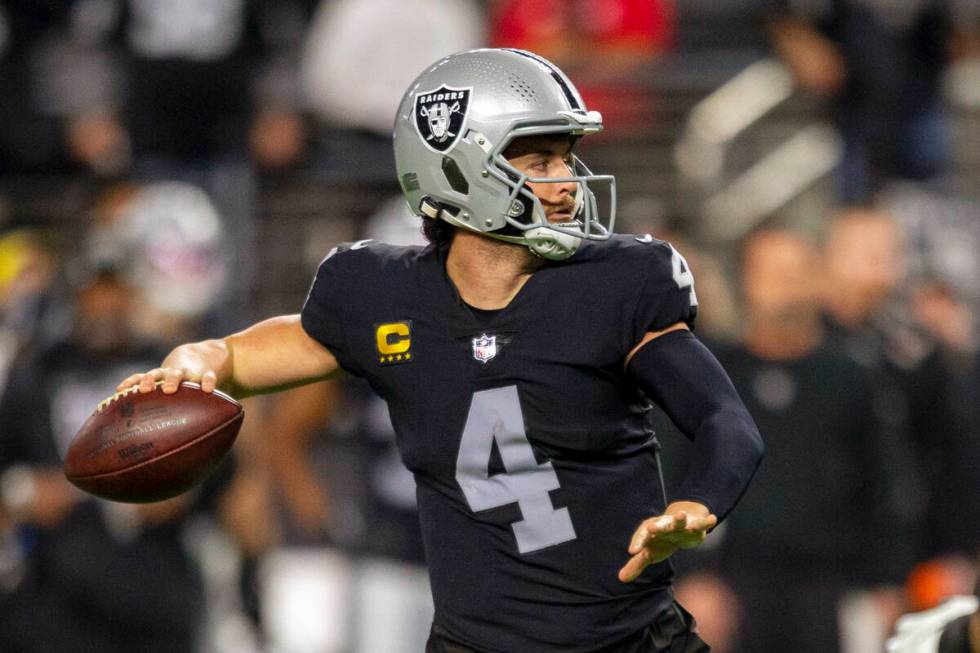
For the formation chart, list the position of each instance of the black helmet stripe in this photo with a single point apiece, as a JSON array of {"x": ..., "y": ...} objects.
[{"x": 572, "y": 101}]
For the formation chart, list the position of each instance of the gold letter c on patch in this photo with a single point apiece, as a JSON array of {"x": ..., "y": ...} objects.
[{"x": 393, "y": 338}]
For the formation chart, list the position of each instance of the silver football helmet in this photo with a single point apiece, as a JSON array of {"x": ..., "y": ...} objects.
[{"x": 452, "y": 127}]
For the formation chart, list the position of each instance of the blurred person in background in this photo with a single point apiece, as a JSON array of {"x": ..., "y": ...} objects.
[
  {"x": 925, "y": 411},
  {"x": 28, "y": 269},
  {"x": 610, "y": 45},
  {"x": 881, "y": 65},
  {"x": 177, "y": 245},
  {"x": 214, "y": 79},
  {"x": 941, "y": 223},
  {"x": 172, "y": 246},
  {"x": 57, "y": 84},
  {"x": 942, "y": 228},
  {"x": 29, "y": 140},
  {"x": 196, "y": 92},
  {"x": 197, "y": 83},
  {"x": 95, "y": 576},
  {"x": 112, "y": 84},
  {"x": 74, "y": 568},
  {"x": 870, "y": 318},
  {"x": 821, "y": 537},
  {"x": 352, "y": 84}
]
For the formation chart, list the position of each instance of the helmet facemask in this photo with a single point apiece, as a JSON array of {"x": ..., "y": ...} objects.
[{"x": 526, "y": 218}]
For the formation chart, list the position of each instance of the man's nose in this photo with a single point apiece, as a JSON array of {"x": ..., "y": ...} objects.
[{"x": 564, "y": 187}]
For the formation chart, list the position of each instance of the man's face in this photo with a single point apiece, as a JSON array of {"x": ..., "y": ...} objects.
[
  {"x": 104, "y": 316},
  {"x": 547, "y": 156},
  {"x": 864, "y": 257},
  {"x": 778, "y": 277}
]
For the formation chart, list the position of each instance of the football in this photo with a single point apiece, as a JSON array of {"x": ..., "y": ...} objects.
[{"x": 143, "y": 447}]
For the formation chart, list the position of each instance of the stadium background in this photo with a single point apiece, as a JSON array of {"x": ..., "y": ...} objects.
[{"x": 176, "y": 170}]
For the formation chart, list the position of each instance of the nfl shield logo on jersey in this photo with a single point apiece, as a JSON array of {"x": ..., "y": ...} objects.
[
  {"x": 484, "y": 348},
  {"x": 440, "y": 116}
]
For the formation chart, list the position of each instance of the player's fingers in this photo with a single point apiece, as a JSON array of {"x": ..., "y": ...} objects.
[
  {"x": 209, "y": 381},
  {"x": 669, "y": 527},
  {"x": 148, "y": 380},
  {"x": 171, "y": 380},
  {"x": 639, "y": 539},
  {"x": 661, "y": 524},
  {"x": 634, "y": 566},
  {"x": 129, "y": 381},
  {"x": 649, "y": 530},
  {"x": 700, "y": 525}
]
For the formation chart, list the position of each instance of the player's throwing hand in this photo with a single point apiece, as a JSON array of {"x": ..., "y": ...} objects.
[
  {"x": 197, "y": 363},
  {"x": 170, "y": 378},
  {"x": 683, "y": 525}
]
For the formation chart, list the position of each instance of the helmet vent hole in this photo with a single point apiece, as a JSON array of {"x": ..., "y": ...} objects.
[
  {"x": 521, "y": 88},
  {"x": 454, "y": 176}
]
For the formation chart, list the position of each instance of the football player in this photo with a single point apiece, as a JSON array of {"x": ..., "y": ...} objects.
[{"x": 516, "y": 353}]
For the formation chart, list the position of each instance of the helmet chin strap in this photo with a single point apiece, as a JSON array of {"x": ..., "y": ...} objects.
[
  {"x": 556, "y": 245},
  {"x": 541, "y": 240},
  {"x": 550, "y": 244}
]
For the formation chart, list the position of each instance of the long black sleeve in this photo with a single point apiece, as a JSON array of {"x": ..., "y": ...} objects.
[{"x": 679, "y": 373}]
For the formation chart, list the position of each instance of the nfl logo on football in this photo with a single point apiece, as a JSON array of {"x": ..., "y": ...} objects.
[{"x": 484, "y": 348}]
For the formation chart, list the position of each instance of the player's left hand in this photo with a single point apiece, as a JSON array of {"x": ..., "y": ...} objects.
[{"x": 683, "y": 525}]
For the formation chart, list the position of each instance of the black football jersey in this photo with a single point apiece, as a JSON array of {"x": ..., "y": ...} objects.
[{"x": 526, "y": 438}]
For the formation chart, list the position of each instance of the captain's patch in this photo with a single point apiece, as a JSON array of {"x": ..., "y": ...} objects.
[{"x": 394, "y": 342}]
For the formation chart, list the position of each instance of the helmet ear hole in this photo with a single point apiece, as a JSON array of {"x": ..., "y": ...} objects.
[
  {"x": 455, "y": 176},
  {"x": 521, "y": 209}
]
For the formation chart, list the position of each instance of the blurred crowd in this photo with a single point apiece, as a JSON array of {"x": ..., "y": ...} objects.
[{"x": 850, "y": 328}]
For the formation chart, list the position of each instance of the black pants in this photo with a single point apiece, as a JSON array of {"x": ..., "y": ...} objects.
[{"x": 673, "y": 631}]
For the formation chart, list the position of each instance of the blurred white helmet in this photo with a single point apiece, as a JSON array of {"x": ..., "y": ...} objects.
[{"x": 177, "y": 243}]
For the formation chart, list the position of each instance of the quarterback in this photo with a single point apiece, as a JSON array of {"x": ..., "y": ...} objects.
[{"x": 519, "y": 353}]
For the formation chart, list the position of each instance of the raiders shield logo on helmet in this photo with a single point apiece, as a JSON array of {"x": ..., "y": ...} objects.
[{"x": 440, "y": 116}]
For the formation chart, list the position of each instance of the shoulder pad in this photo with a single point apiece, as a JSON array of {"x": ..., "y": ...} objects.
[
  {"x": 663, "y": 266},
  {"x": 661, "y": 280},
  {"x": 365, "y": 256},
  {"x": 344, "y": 250}
]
